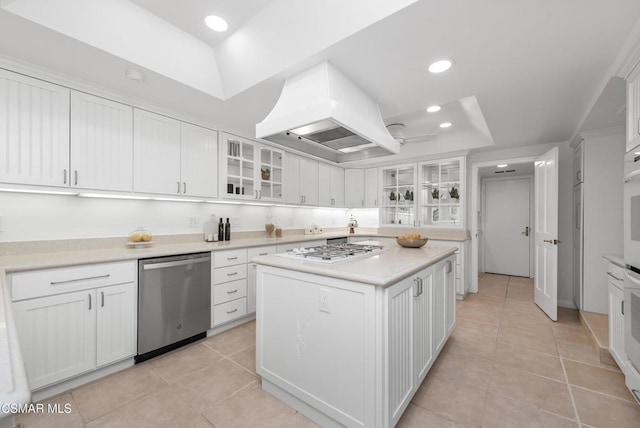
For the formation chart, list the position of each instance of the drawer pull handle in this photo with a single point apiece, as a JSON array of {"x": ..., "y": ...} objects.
[
  {"x": 89, "y": 301},
  {"x": 80, "y": 279},
  {"x": 230, "y": 312},
  {"x": 263, "y": 254},
  {"x": 232, "y": 291},
  {"x": 232, "y": 273},
  {"x": 614, "y": 277},
  {"x": 102, "y": 294},
  {"x": 232, "y": 258}
]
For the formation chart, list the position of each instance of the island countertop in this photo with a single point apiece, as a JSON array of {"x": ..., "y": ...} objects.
[{"x": 382, "y": 269}]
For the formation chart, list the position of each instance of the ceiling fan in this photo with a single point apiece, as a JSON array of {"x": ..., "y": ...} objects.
[{"x": 397, "y": 132}]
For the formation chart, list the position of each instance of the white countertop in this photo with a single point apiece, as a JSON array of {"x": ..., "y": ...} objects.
[
  {"x": 14, "y": 387},
  {"x": 616, "y": 259},
  {"x": 381, "y": 269}
]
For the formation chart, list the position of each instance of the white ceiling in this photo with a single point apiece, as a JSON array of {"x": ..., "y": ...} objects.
[{"x": 532, "y": 69}]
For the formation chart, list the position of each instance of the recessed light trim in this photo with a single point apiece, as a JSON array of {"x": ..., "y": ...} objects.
[
  {"x": 440, "y": 66},
  {"x": 216, "y": 23},
  {"x": 502, "y": 165},
  {"x": 434, "y": 109},
  {"x": 446, "y": 125}
]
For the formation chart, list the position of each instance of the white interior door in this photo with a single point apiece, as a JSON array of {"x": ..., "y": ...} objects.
[
  {"x": 546, "y": 233},
  {"x": 506, "y": 226}
]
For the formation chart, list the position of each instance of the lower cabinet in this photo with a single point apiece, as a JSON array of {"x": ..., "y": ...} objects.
[
  {"x": 616, "y": 314},
  {"x": 78, "y": 327},
  {"x": 229, "y": 292},
  {"x": 251, "y": 280},
  {"x": 461, "y": 265},
  {"x": 421, "y": 314}
]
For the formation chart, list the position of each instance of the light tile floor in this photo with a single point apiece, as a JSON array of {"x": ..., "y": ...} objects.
[{"x": 505, "y": 365}]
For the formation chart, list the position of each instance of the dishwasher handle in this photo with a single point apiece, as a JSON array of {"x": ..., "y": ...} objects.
[{"x": 163, "y": 265}]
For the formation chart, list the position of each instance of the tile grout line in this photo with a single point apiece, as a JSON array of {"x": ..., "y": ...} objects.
[{"x": 566, "y": 377}]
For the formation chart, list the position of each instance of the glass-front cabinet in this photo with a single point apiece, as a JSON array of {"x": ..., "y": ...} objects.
[
  {"x": 441, "y": 186},
  {"x": 398, "y": 197},
  {"x": 251, "y": 170}
]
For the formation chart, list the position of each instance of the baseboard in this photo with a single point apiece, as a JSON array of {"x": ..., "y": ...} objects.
[{"x": 567, "y": 303}]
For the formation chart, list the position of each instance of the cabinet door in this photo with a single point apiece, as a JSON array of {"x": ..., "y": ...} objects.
[
  {"x": 633, "y": 109},
  {"x": 101, "y": 143},
  {"x": 291, "y": 184},
  {"x": 57, "y": 336},
  {"x": 199, "y": 161},
  {"x": 270, "y": 174},
  {"x": 439, "y": 306},
  {"x": 371, "y": 188},
  {"x": 354, "y": 188},
  {"x": 239, "y": 167},
  {"x": 578, "y": 162},
  {"x": 616, "y": 324},
  {"x": 116, "y": 323},
  {"x": 400, "y": 346},
  {"x": 156, "y": 153},
  {"x": 423, "y": 322},
  {"x": 442, "y": 193},
  {"x": 309, "y": 181},
  {"x": 449, "y": 296},
  {"x": 324, "y": 184},
  {"x": 398, "y": 195},
  {"x": 34, "y": 141},
  {"x": 337, "y": 186}
]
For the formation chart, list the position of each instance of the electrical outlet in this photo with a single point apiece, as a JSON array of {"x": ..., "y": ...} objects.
[
  {"x": 324, "y": 300},
  {"x": 193, "y": 222}
]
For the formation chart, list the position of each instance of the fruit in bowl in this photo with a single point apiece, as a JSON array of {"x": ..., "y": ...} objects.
[{"x": 411, "y": 240}]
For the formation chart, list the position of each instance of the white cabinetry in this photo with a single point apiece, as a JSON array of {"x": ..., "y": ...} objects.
[
  {"x": 354, "y": 188},
  {"x": 301, "y": 180},
  {"x": 615, "y": 275},
  {"x": 34, "y": 141},
  {"x": 251, "y": 281},
  {"x": 633, "y": 109},
  {"x": 441, "y": 185},
  {"x": 398, "y": 205},
  {"x": 578, "y": 164},
  {"x": 101, "y": 143},
  {"x": 229, "y": 296},
  {"x": 330, "y": 185},
  {"x": 371, "y": 188},
  {"x": 161, "y": 154},
  {"x": 74, "y": 320},
  {"x": 251, "y": 170},
  {"x": 597, "y": 217}
]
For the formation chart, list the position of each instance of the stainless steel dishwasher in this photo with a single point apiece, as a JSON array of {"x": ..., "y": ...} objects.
[{"x": 174, "y": 302}]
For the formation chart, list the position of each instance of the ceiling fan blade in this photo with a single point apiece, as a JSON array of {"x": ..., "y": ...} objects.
[{"x": 420, "y": 138}]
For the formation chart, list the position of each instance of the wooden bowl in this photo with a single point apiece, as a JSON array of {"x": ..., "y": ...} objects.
[{"x": 411, "y": 243}]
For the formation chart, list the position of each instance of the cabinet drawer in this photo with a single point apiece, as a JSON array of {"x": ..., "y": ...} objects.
[
  {"x": 229, "y": 273},
  {"x": 283, "y": 248},
  {"x": 229, "y": 257},
  {"x": 229, "y": 311},
  {"x": 229, "y": 291},
  {"x": 47, "y": 282},
  {"x": 260, "y": 251}
]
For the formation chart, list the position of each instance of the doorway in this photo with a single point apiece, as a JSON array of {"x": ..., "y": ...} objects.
[{"x": 506, "y": 223}]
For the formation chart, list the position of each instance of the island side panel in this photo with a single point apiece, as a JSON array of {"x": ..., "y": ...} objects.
[{"x": 316, "y": 341}]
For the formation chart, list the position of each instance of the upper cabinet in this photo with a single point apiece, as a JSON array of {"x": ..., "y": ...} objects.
[
  {"x": 633, "y": 108},
  {"x": 354, "y": 188},
  {"x": 101, "y": 143},
  {"x": 371, "y": 187},
  {"x": 251, "y": 170},
  {"x": 165, "y": 162},
  {"x": 34, "y": 141},
  {"x": 398, "y": 191},
  {"x": 442, "y": 194},
  {"x": 330, "y": 185},
  {"x": 300, "y": 180},
  {"x": 578, "y": 162}
]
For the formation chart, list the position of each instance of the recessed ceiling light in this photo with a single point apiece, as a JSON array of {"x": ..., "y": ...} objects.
[
  {"x": 446, "y": 125},
  {"x": 503, "y": 165},
  {"x": 433, "y": 109},
  {"x": 216, "y": 23},
  {"x": 440, "y": 66}
]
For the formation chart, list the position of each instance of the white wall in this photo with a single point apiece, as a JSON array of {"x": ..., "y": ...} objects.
[
  {"x": 27, "y": 217},
  {"x": 565, "y": 205}
]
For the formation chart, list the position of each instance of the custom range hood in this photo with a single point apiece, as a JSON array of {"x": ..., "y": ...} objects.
[{"x": 322, "y": 113}]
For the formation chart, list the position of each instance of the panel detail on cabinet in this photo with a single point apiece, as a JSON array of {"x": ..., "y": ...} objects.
[
  {"x": 198, "y": 161},
  {"x": 156, "y": 154},
  {"x": 34, "y": 118},
  {"x": 354, "y": 188},
  {"x": 301, "y": 180},
  {"x": 116, "y": 323},
  {"x": 330, "y": 185},
  {"x": 101, "y": 143}
]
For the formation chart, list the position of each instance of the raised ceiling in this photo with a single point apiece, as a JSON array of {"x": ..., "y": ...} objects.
[{"x": 533, "y": 70}]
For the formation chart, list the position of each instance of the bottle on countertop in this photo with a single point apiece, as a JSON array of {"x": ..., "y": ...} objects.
[
  {"x": 227, "y": 230},
  {"x": 221, "y": 230}
]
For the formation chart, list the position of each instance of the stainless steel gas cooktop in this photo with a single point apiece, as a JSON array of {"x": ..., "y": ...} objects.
[{"x": 332, "y": 253}]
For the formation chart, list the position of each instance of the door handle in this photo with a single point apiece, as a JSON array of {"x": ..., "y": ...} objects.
[
  {"x": 184, "y": 187},
  {"x": 178, "y": 186},
  {"x": 102, "y": 294},
  {"x": 622, "y": 306},
  {"x": 553, "y": 241},
  {"x": 417, "y": 281},
  {"x": 64, "y": 176},
  {"x": 89, "y": 301},
  {"x": 526, "y": 231},
  {"x": 75, "y": 180}
]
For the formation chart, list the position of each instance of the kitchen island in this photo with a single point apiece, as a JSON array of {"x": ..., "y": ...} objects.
[{"x": 349, "y": 343}]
